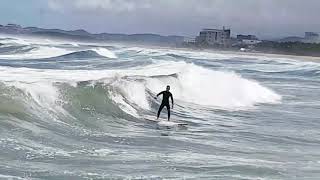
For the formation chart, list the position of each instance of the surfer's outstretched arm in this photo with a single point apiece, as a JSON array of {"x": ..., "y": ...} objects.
[{"x": 159, "y": 94}]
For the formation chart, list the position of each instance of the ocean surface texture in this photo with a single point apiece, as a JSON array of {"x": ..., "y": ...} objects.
[{"x": 71, "y": 110}]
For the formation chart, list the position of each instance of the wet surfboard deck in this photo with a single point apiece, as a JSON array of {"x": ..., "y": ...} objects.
[{"x": 166, "y": 122}]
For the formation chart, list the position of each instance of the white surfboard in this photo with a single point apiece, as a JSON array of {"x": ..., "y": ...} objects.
[
  {"x": 165, "y": 122},
  {"x": 171, "y": 123}
]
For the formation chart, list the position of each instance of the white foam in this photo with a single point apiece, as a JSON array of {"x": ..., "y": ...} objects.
[
  {"x": 180, "y": 52},
  {"x": 38, "y": 53},
  {"x": 120, "y": 101},
  {"x": 13, "y": 41},
  {"x": 201, "y": 86},
  {"x": 44, "y": 48},
  {"x": 27, "y": 40},
  {"x": 74, "y": 44},
  {"x": 49, "y": 52},
  {"x": 132, "y": 92},
  {"x": 3, "y": 176},
  {"x": 214, "y": 88},
  {"x": 193, "y": 84},
  {"x": 105, "y": 52},
  {"x": 102, "y": 152},
  {"x": 42, "y": 93}
]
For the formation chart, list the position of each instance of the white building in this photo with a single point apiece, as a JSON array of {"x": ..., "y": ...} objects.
[
  {"x": 214, "y": 37},
  {"x": 250, "y": 42},
  {"x": 189, "y": 40},
  {"x": 311, "y": 37},
  {"x": 247, "y": 39}
]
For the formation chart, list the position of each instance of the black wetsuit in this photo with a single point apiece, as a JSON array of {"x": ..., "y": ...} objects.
[{"x": 165, "y": 102}]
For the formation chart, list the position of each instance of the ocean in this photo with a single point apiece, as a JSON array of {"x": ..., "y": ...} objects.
[{"x": 76, "y": 110}]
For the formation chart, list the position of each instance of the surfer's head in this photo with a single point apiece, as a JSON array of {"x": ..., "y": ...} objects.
[{"x": 168, "y": 88}]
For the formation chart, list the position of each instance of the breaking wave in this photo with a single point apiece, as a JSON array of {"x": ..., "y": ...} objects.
[
  {"x": 17, "y": 49},
  {"x": 36, "y": 53},
  {"x": 51, "y": 52},
  {"x": 121, "y": 92}
]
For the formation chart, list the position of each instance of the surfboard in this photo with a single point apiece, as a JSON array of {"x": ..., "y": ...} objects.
[
  {"x": 165, "y": 122},
  {"x": 171, "y": 123}
]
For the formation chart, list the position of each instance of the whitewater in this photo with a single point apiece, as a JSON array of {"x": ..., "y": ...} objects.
[{"x": 76, "y": 110}]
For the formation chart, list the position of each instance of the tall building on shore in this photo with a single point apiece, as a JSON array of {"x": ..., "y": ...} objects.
[
  {"x": 311, "y": 37},
  {"x": 214, "y": 37}
]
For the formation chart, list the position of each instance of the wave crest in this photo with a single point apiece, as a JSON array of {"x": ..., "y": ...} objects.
[{"x": 45, "y": 52}]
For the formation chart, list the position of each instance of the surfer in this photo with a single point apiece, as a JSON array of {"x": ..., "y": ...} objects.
[{"x": 165, "y": 101}]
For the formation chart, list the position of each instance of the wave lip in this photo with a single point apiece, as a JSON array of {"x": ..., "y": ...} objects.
[
  {"x": 91, "y": 53},
  {"x": 44, "y": 52},
  {"x": 226, "y": 90},
  {"x": 15, "y": 49},
  {"x": 37, "y": 53}
]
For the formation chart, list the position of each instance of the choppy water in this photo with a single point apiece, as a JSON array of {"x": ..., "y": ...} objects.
[{"x": 76, "y": 111}]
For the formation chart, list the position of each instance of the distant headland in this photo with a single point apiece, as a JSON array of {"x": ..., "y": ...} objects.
[
  {"x": 81, "y": 34},
  {"x": 220, "y": 39}
]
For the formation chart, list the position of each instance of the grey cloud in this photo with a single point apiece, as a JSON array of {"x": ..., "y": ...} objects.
[{"x": 269, "y": 18}]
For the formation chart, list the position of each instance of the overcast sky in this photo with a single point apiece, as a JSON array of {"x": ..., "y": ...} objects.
[{"x": 265, "y": 18}]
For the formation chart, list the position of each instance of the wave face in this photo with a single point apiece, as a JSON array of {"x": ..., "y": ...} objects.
[
  {"x": 21, "y": 49},
  {"x": 64, "y": 105}
]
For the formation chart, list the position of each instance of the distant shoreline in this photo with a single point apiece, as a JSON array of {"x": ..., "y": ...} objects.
[
  {"x": 310, "y": 51},
  {"x": 253, "y": 54},
  {"x": 288, "y": 49},
  {"x": 277, "y": 55},
  {"x": 161, "y": 46}
]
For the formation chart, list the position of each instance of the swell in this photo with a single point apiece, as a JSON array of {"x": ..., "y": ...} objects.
[
  {"x": 297, "y": 72},
  {"x": 86, "y": 54},
  {"x": 16, "y": 52},
  {"x": 79, "y": 54},
  {"x": 177, "y": 56},
  {"x": 9, "y": 49}
]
